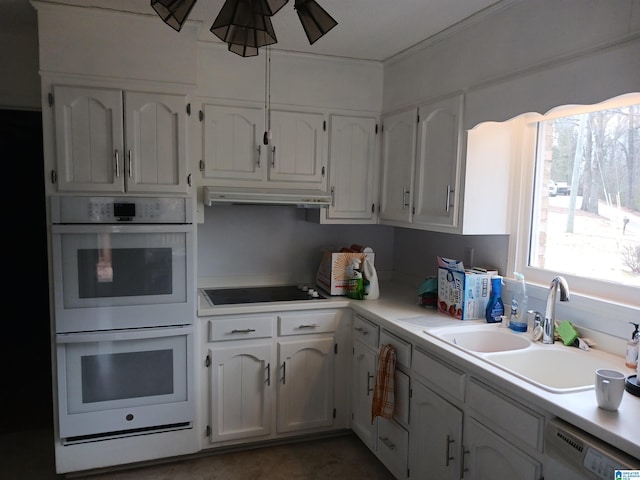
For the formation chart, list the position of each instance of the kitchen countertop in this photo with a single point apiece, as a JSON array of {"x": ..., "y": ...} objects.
[{"x": 398, "y": 302}]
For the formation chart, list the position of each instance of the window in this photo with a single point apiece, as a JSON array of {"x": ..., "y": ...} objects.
[{"x": 583, "y": 216}]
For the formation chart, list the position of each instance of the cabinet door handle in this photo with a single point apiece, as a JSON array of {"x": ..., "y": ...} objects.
[
  {"x": 388, "y": 443},
  {"x": 273, "y": 156},
  {"x": 405, "y": 202},
  {"x": 284, "y": 372},
  {"x": 310, "y": 325},
  {"x": 333, "y": 196},
  {"x": 117, "y": 161},
  {"x": 268, "y": 374},
  {"x": 465, "y": 452},
  {"x": 369, "y": 387},
  {"x": 448, "y": 453},
  {"x": 362, "y": 330},
  {"x": 129, "y": 166},
  {"x": 449, "y": 192},
  {"x": 245, "y": 330},
  {"x": 259, "y": 153}
]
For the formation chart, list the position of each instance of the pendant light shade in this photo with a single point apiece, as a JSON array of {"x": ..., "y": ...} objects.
[
  {"x": 243, "y": 50},
  {"x": 315, "y": 20},
  {"x": 173, "y": 12},
  {"x": 245, "y": 25},
  {"x": 242, "y": 28},
  {"x": 268, "y": 7}
]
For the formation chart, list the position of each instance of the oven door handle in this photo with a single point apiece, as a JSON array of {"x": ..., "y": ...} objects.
[
  {"x": 132, "y": 334},
  {"x": 122, "y": 228}
]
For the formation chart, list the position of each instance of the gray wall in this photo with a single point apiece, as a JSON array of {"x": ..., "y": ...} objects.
[{"x": 246, "y": 240}]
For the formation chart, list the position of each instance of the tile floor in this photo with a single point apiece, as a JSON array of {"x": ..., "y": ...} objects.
[{"x": 28, "y": 455}]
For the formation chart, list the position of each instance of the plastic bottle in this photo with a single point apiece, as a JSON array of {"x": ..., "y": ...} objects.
[
  {"x": 355, "y": 287},
  {"x": 372, "y": 290},
  {"x": 632, "y": 348},
  {"x": 517, "y": 319},
  {"x": 495, "y": 307}
]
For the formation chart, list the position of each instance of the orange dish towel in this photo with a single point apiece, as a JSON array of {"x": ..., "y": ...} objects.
[{"x": 383, "y": 397}]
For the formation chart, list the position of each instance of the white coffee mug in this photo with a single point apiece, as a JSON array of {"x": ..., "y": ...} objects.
[{"x": 609, "y": 388}]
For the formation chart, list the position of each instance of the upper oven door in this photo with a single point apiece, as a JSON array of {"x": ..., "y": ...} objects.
[{"x": 110, "y": 277}]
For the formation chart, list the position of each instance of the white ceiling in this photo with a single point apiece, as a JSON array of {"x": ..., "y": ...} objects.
[{"x": 367, "y": 29}]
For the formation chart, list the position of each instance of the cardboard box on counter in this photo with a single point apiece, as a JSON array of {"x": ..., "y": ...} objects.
[
  {"x": 463, "y": 294},
  {"x": 332, "y": 272}
]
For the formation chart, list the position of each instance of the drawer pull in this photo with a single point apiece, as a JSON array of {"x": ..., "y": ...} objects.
[
  {"x": 448, "y": 454},
  {"x": 311, "y": 325},
  {"x": 388, "y": 443},
  {"x": 362, "y": 330},
  {"x": 246, "y": 330}
]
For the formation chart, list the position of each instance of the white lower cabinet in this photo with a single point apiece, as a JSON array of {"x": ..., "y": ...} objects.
[
  {"x": 462, "y": 428},
  {"x": 364, "y": 375},
  {"x": 435, "y": 449},
  {"x": 387, "y": 438},
  {"x": 305, "y": 384},
  {"x": 488, "y": 456},
  {"x": 273, "y": 375},
  {"x": 240, "y": 391}
]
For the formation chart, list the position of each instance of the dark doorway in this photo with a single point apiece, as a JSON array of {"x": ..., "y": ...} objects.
[{"x": 25, "y": 361}]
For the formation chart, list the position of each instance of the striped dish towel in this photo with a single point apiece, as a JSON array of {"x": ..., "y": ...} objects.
[{"x": 383, "y": 397}]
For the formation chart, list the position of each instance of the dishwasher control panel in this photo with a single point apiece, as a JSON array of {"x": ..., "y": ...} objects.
[{"x": 583, "y": 452}]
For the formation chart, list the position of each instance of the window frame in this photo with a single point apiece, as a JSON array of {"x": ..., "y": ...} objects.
[{"x": 523, "y": 186}]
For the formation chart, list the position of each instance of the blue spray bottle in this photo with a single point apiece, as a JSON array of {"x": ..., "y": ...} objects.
[{"x": 495, "y": 307}]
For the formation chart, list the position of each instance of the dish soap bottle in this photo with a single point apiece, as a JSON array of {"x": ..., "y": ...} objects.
[
  {"x": 632, "y": 348},
  {"x": 355, "y": 287},
  {"x": 495, "y": 307},
  {"x": 517, "y": 320}
]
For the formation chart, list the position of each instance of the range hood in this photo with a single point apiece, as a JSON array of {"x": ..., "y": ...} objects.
[{"x": 259, "y": 196}]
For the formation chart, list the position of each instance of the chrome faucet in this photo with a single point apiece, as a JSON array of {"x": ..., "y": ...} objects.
[{"x": 548, "y": 325}]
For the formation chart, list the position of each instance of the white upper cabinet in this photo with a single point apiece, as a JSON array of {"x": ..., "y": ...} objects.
[
  {"x": 232, "y": 143},
  {"x": 352, "y": 170},
  {"x": 234, "y": 153},
  {"x": 429, "y": 184},
  {"x": 93, "y": 153},
  {"x": 398, "y": 157},
  {"x": 297, "y": 149},
  {"x": 89, "y": 139},
  {"x": 437, "y": 163}
]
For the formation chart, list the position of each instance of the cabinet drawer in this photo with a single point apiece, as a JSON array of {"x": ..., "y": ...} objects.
[
  {"x": 241, "y": 328},
  {"x": 512, "y": 420},
  {"x": 312, "y": 322},
  {"x": 402, "y": 348},
  {"x": 438, "y": 375},
  {"x": 393, "y": 447},
  {"x": 366, "y": 332}
]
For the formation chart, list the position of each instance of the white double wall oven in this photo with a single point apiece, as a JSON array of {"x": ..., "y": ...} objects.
[{"x": 123, "y": 283}]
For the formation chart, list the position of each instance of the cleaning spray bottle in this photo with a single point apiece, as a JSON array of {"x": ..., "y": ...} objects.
[
  {"x": 495, "y": 307},
  {"x": 517, "y": 320},
  {"x": 632, "y": 348},
  {"x": 355, "y": 287}
]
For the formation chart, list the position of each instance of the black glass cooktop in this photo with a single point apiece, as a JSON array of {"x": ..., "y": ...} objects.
[{"x": 285, "y": 293}]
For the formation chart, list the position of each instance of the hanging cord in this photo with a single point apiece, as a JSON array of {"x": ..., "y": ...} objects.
[{"x": 267, "y": 97}]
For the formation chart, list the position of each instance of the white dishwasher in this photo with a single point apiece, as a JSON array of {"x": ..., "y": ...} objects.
[{"x": 576, "y": 455}]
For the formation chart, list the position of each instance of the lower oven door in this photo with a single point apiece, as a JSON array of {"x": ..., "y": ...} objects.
[{"x": 129, "y": 381}]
